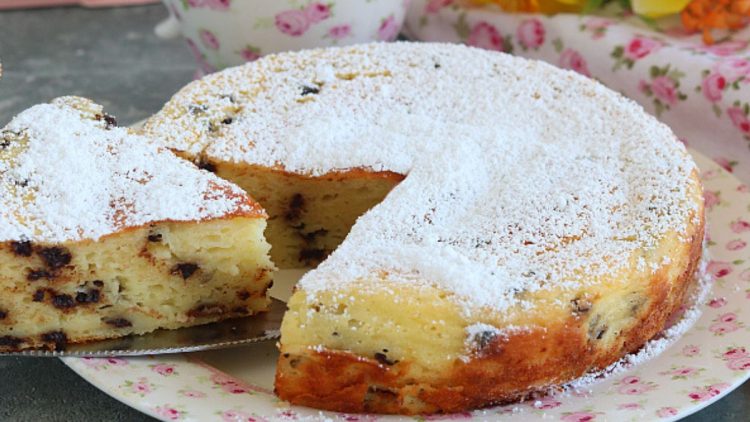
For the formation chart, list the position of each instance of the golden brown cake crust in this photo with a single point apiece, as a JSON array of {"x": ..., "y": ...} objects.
[{"x": 507, "y": 369}]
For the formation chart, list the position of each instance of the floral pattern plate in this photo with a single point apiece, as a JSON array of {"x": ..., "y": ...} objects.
[{"x": 709, "y": 360}]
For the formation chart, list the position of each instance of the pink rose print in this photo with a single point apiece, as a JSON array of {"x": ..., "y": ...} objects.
[
  {"x": 292, "y": 22},
  {"x": 95, "y": 363},
  {"x": 388, "y": 29},
  {"x": 739, "y": 119},
  {"x": 740, "y": 226},
  {"x": 239, "y": 416},
  {"x": 433, "y": 6},
  {"x": 317, "y": 12},
  {"x": 640, "y": 47},
  {"x": 250, "y": 53},
  {"x": 629, "y": 406},
  {"x": 141, "y": 387},
  {"x": 725, "y": 163},
  {"x": 721, "y": 328},
  {"x": 706, "y": 393},
  {"x": 726, "y": 48},
  {"x": 735, "y": 245},
  {"x": 733, "y": 68},
  {"x": 579, "y": 417},
  {"x": 635, "y": 389},
  {"x": 745, "y": 275},
  {"x": 743, "y": 188},
  {"x": 691, "y": 350},
  {"x": 211, "y": 4},
  {"x": 117, "y": 362},
  {"x": 339, "y": 32},
  {"x": 712, "y": 87},
  {"x": 531, "y": 33},
  {"x": 168, "y": 413},
  {"x": 209, "y": 39},
  {"x": 547, "y": 403},
  {"x": 666, "y": 412},
  {"x": 163, "y": 369},
  {"x": 194, "y": 394},
  {"x": 571, "y": 59},
  {"x": 719, "y": 269},
  {"x": 484, "y": 35},
  {"x": 717, "y": 302},
  {"x": 728, "y": 317},
  {"x": 735, "y": 353},
  {"x": 288, "y": 414},
  {"x": 711, "y": 199},
  {"x": 630, "y": 380},
  {"x": 664, "y": 89},
  {"x": 597, "y": 26},
  {"x": 741, "y": 364},
  {"x": 682, "y": 372}
]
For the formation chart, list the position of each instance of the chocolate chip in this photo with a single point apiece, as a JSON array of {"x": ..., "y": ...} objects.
[
  {"x": 306, "y": 90},
  {"x": 154, "y": 237},
  {"x": 21, "y": 183},
  {"x": 437, "y": 65},
  {"x": 98, "y": 283},
  {"x": 239, "y": 310},
  {"x": 118, "y": 322},
  {"x": 38, "y": 295},
  {"x": 312, "y": 255},
  {"x": 383, "y": 359},
  {"x": 109, "y": 121},
  {"x": 204, "y": 164},
  {"x": 59, "y": 339},
  {"x": 311, "y": 236},
  {"x": 296, "y": 207},
  {"x": 580, "y": 306},
  {"x": 55, "y": 257},
  {"x": 3, "y": 314},
  {"x": 484, "y": 339},
  {"x": 596, "y": 327},
  {"x": 185, "y": 270},
  {"x": 243, "y": 294},
  {"x": 35, "y": 275},
  {"x": 206, "y": 310},
  {"x": 227, "y": 121},
  {"x": 197, "y": 110},
  {"x": 63, "y": 301},
  {"x": 10, "y": 341},
  {"x": 22, "y": 248},
  {"x": 90, "y": 296}
]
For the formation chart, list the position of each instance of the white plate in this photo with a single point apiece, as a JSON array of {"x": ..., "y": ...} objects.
[{"x": 709, "y": 360}]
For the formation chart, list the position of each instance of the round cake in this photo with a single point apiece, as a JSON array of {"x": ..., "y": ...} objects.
[{"x": 525, "y": 225}]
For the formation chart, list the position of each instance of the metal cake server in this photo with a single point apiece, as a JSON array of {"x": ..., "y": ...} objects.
[{"x": 218, "y": 335}]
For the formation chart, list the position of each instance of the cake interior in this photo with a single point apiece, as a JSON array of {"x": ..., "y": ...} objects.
[
  {"x": 308, "y": 216},
  {"x": 166, "y": 275}
]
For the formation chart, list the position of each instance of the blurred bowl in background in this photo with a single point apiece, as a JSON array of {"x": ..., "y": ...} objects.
[{"x": 223, "y": 33}]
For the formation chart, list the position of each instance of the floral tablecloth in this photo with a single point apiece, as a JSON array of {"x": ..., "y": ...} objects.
[{"x": 702, "y": 92}]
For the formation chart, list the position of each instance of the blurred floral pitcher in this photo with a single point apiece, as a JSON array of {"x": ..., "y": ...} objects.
[{"x": 223, "y": 33}]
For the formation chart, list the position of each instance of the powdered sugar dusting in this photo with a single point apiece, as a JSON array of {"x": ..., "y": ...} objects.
[
  {"x": 518, "y": 173},
  {"x": 67, "y": 174}
]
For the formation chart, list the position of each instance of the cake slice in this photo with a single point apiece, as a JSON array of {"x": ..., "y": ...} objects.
[{"x": 104, "y": 235}]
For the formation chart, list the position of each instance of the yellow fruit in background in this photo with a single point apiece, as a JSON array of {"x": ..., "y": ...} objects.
[{"x": 659, "y": 8}]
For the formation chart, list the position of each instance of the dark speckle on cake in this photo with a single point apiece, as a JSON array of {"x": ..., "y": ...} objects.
[
  {"x": 89, "y": 296},
  {"x": 154, "y": 237},
  {"x": 184, "y": 270},
  {"x": 58, "y": 338},
  {"x": 34, "y": 275},
  {"x": 10, "y": 341},
  {"x": 307, "y": 90},
  {"x": 3, "y": 314},
  {"x": 382, "y": 358},
  {"x": 55, "y": 257},
  {"x": 206, "y": 310},
  {"x": 296, "y": 207},
  {"x": 38, "y": 295},
  {"x": 22, "y": 248},
  {"x": 118, "y": 322},
  {"x": 63, "y": 301}
]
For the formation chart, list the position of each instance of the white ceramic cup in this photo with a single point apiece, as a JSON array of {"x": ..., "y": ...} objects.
[{"x": 223, "y": 33}]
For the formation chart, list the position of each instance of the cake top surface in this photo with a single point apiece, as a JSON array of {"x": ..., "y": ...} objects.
[
  {"x": 518, "y": 173},
  {"x": 67, "y": 174}
]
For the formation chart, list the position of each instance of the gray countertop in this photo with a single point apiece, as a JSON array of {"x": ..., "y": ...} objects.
[{"x": 113, "y": 57}]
